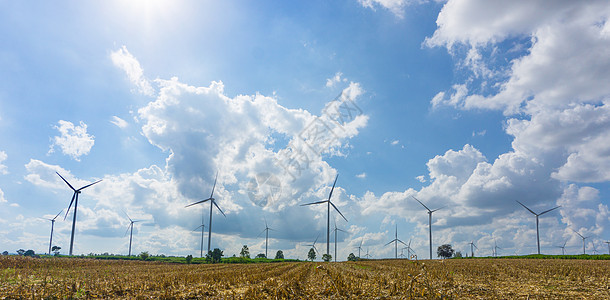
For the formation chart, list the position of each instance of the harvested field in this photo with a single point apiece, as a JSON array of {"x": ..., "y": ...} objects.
[{"x": 22, "y": 277}]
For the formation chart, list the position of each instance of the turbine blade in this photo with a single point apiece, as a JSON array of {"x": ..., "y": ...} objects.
[
  {"x": 66, "y": 181},
  {"x": 199, "y": 227},
  {"x": 420, "y": 202},
  {"x": 130, "y": 220},
  {"x": 392, "y": 241},
  {"x": 438, "y": 209},
  {"x": 198, "y": 202},
  {"x": 546, "y": 211},
  {"x": 314, "y": 242},
  {"x": 578, "y": 233},
  {"x": 331, "y": 190},
  {"x": 126, "y": 231},
  {"x": 69, "y": 206},
  {"x": 402, "y": 242},
  {"x": 214, "y": 202},
  {"x": 338, "y": 211},
  {"x": 88, "y": 185},
  {"x": 527, "y": 208},
  {"x": 57, "y": 215},
  {"x": 213, "y": 187},
  {"x": 312, "y": 203}
]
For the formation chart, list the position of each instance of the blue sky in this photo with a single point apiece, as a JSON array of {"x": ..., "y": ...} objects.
[{"x": 466, "y": 104}]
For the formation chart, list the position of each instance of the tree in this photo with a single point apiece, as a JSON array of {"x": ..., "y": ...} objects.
[
  {"x": 458, "y": 254},
  {"x": 445, "y": 251},
  {"x": 352, "y": 257},
  {"x": 189, "y": 259},
  {"x": 20, "y": 251},
  {"x": 260, "y": 255},
  {"x": 279, "y": 254},
  {"x": 312, "y": 254},
  {"x": 144, "y": 255},
  {"x": 214, "y": 256},
  {"x": 245, "y": 252},
  {"x": 29, "y": 253},
  {"x": 55, "y": 250},
  {"x": 5, "y": 253},
  {"x": 327, "y": 257}
]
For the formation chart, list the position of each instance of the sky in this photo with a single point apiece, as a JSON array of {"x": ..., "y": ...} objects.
[{"x": 468, "y": 106}]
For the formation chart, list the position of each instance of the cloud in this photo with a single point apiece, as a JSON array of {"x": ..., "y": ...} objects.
[
  {"x": 331, "y": 82},
  {"x": 119, "y": 122},
  {"x": 421, "y": 178},
  {"x": 361, "y": 175},
  {"x": 394, "y": 142},
  {"x": 395, "y": 6},
  {"x": 3, "y": 168},
  {"x": 2, "y": 199},
  {"x": 74, "y": 141},
  {"x": 128, "y": 63}
]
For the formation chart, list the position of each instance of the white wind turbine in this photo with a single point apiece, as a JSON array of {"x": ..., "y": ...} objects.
[
  {"x": 429, "y": 221},
  {"x": 395, "y": 241},
  {"x": 583, "y": 240},
  {"x": 328, "y": 203},
  {"x": 212, "y": 203},
  {"x": 538, "y": 215}
]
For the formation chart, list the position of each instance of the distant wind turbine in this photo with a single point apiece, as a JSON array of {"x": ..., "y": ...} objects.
[
  {"x": 266, "y": 230},
  {"x": 335, "y": 233},
  {"x": 128, "y": 229},
  {"x": 594, "y": 248},
  {"x": 212, "y": 203},
  {"x": 202, "y": 226},
  {"x": 496, "y": 248},
  {"x": 329, "y": 203},
  {"x": 472, "y": 246},
  {"x": 362, "y": 239},
  {"x": 314, "y": 245},
  {"x": 538, "y": 215},
  {"x": 429, "y": 221},
  {"x": 583, "y": 240},
  {"x": 563, "y": 248},
  {"x": 608, "y": 242},
  {"x": 395, "y": 241},
  {"x": 367, "y": 253},
  {"x": 409, "y": 249},
  {"x": 75, "y": 201},
  {"x": 53, "y": 225}
]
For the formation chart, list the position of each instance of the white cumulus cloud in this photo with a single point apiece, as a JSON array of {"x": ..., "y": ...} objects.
[
  {"x": 3, "y": 168},
  {"x": 131, "y": 66},
  {"x": 119, "y": 122},
  {"x": 73, "y": 140}
]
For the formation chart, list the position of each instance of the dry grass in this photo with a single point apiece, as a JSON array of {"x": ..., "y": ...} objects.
[{"x": 22, "y": 277}]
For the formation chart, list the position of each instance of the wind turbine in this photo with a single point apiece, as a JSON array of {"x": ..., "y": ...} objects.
[
  {"x": 538, "y": 215},
  {"x": 53, "y": 225},
  {"x": 395, "y": 241},
  {"x": 266, "y": 230},
  {"x": 128, "y": 228},
  {"x": 75, "y": 201},
  {"x": 202, "y": 226},
  {"x": 583, "y": 240},
  {"x": 314, "y": 245},
  {"x": 496, "y": 248},
  {"x": 212, "y": 203},
  {"x": 409, "y": 249},
  {"x": 429, "y": 222},
  {"x": 367, "y": 253},
  {"x": 362, "y": 240},
  {"x": 594, "y": 248},
  {"x": 328, "y": 214},
  {"x": 335, "y": 233},
  {"x": 402, "y": 254},
  {"x": 472, "y": 246},
  {"x": 608, "y": 242},
  {"x": 563, "y": 248}
]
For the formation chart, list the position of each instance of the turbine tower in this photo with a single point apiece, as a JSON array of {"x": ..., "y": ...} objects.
[
  {"x": 429, "y": 221},
  {"x": 608, "y": 242},
  {"x": 75, "y": 201},
  {"x": 496, "y": 249},
  {"x": 409, "y": 249},
  {"x": 128, "y": 229},
  {"x": 266, "y": 230},
  {"x": 367, "y": 253},
  {"x": 335, "y": 233},
  {"x": 395, "y": 241},
  {"x": 212, "y": 203},
  {"x": 583, "y": 240},
  {"x": 328, "y": 203},
  {"x": 538, "y": 215},
  {"x": 53, "y": 225}
]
